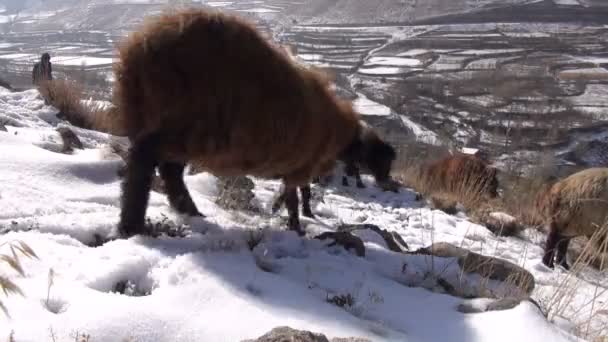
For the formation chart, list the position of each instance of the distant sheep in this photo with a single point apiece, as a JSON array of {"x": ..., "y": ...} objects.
[
  {"x": 374, "y": 155},
  {"x": 574, "y": 206},
  {"x": 462, "y": 172},
  {"x": 203, "y": 87}
]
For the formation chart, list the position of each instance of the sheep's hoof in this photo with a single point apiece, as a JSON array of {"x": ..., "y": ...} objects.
[
  {"x": 308, "y": 214},
  {"x": 127, "y": 232},
  {"x": 565, "y": 265},
  {"x": 360, "y": 185},
  {"x": 197, "y": 214},
  {"x": 548, "y": 262},
  {"x": 295, "y": 226}
]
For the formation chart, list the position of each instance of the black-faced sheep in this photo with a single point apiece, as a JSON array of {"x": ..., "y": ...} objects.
[
  {"x": 206, "y": 87},
  {"x": 373, "y": 155},
  {"x": 574, "y": 206}
]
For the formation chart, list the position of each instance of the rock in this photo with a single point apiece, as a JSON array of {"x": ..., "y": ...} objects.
[
  {"x": 346, "y": 239},
  {"x": 287, "y": 334},
  {"x": 70, "y": 140},
  {"x": 445, "y": 204},
  {"x": 236, "y": 193},
  {"x": 394, "y": 241},
  {"x": 493, "y": 305},
  {"x": 502, "y": 224},
  {"x": 485, "y": 266}
]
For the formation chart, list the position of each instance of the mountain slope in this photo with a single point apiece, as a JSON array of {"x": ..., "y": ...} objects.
[{"x": 203, "y": 283}]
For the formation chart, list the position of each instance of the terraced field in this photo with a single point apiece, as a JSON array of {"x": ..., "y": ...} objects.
[
  {"x": 515, "y": 89},
  {"x": 502, "y": 87}
]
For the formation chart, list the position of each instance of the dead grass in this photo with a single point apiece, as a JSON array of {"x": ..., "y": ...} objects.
[
  {"x": 562, "y": 302},
  {"x": 67, "y": 96},
  {"x": 519, "y": 194},
  {"x": 11, "y": 259}
]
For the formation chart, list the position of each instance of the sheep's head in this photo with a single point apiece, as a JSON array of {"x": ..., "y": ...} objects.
[
  {"x": 378, "y": 157},
  {"x": 371, "y": 153}
]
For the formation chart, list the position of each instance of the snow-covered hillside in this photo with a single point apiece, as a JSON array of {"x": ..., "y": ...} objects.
[{"x": 207, "y": 285}]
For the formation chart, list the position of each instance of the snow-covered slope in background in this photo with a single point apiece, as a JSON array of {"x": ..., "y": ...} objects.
[{"x": 208, "y": 285}]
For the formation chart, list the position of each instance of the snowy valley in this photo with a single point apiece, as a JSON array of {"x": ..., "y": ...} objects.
[{"x": 439, "y": 75}]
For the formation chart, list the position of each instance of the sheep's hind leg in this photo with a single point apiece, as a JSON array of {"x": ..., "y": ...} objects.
[
  {"x": 360, "y": 184},
  {"x": 179, "y": 197},
  {"x": 552, "y": 240},
  {"x": 562, "y": 250},
  {"x": 136, "y": 184},
  {"x": 306, "y": 210},
  {"x": 278, "y": 202},
  {"x": 291, "y": 202}
]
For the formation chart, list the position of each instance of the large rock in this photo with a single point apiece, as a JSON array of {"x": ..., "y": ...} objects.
[
  {"x": 502, "y": 224},
  {"x": 236, "y": 193},
  {"x": 394, "y": 241},
  {"x": 486, "y": 266},
  {"x": 287, "y": 334},
  {"x": 70, "y": 140},
  {"x": 345, "y": 239}
]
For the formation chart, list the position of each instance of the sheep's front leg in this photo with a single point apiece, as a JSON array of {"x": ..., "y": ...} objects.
[
  {"x": 562, "y": 250},
  {"x": 552, "y": 239},
  {"x": 179, "y": 197},
  {"x": 136, "y": 184},
  {"x": 291, "y": 202},
  {"x": 306, "y": 211}
]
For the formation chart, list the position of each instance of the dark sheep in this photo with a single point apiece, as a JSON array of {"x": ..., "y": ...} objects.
[{"x": 204, "y": 87}]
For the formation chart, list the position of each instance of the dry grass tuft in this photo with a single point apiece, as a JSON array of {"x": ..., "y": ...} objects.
[
  {"x": 561, "y": 302},
  {"x": 66, "y": 96},
  {"x": 12, "y": 260}
]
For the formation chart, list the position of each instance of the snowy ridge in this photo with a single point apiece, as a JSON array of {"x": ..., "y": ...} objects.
[{"x": 208, "y": 285}]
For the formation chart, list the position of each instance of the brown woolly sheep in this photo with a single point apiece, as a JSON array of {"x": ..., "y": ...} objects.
[
  {"x": 375, "y": 156},
  {"x": 205, "y": 87},
  {"x": 463, "y": 172},
  {"x": 574, "y": 206}
]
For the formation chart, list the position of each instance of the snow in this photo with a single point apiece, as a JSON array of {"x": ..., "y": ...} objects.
[
  {"x": 594, "y": 59},
  {"x": 259, "y": 10},
  {"x": 469, "y": 150},
  {"x": 595, "y": 95},
  {"x": 382, "y": 71},
  {"x": 208, "y": 285},
  {"x": 393, "y": 61},
  {"x": 365, "y": 106},
  {"x": 413, "y": 53},
  {"x": 16, "y": 56},
  {"x": 422, "y": 134},
  {"x": 567, "y": 2},
  {"x": 81, "y": 60},
  {"x": 488, "y": 52}
]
